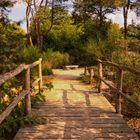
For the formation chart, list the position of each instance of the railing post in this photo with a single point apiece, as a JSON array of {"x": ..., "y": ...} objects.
[
  {"x": 85, "y": 71},
  {"x": 40, "y": 74},
  {"x": 91, "y": 75},
  {"x": 27, "y": 86},
  {"x": 119, "y": 87},
  {"x": 100, "y": 73}
]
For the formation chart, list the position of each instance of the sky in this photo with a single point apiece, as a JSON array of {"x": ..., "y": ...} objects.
[{"x": 18, "y": 13}]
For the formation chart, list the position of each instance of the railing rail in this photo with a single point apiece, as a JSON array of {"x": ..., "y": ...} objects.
[
  {"x": 25, "y": 93},
  {"x": 118, "y": 88}
]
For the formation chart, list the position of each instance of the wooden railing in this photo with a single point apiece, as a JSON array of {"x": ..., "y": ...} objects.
[
  {"x": 26, "y": 92},
  {"x": 118, "y": 87}
]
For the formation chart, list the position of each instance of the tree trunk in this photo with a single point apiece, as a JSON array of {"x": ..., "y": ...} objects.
[
  {"x": 38, "y": 34},
  {"x": 101, "y": 16},
  {"x": 29, "y": 39},
  {"x": 125, "y": 15}
]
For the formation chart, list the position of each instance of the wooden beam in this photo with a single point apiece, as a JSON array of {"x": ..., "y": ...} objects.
[
  {"x": 40, "y": 75},
  {"x": 26, "y": 93},
  {"x": 85, "y": 71},
  {"x": 9, "y": 109},
  {"x": 91, "y": 75},
  {"x": 35, "y": 63},
  {"x": 18, "y": 70},
  {"x": 11, "y": 74},
  {"x": 114, "y": 88},
  {"x": 119, "y": 66},
  {"x": 27, "y": 86},
  {"x": 119, "y": 87},
  {"x": 35, "y": 82},
  {"x": 100, "y": 73}
]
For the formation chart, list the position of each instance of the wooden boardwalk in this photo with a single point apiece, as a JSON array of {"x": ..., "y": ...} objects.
[{"x": 74, "y": 111}]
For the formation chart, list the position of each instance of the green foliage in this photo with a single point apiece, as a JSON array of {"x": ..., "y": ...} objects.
[
  {"x": 37, "y": 97},
  {"x": 12, "y": 38},
  {"x": 94, "y": 10},
  {"x": 85, "y": 79},
  {"x": 4, "y": 9},
  {"x": 105, "y": 48},
  {"x": 49, "y": 85},
  {"x": 29, "y": 54},
  {"x": 46, "y": 70},
  {"x": 134, "y": 31},
  {"x": 8, "y": 91},
  {"x": 55, "y": 59}
]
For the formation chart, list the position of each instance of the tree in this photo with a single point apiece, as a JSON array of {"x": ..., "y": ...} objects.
[
  {"x": 12, "y": 39},
  {"x": 33, "y": 12},
  {"x": 4, "y": 5},
  {"x": 127, "y": 5},
  {"x": 95, "y": 9}
]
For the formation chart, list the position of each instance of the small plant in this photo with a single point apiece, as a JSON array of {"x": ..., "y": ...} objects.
[
  {"x": 85, "y": 79},
  {"x": 37, "y": 98},
  {"x": 46, "y": 70}
]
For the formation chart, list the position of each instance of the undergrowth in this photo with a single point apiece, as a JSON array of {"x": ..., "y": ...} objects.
[{"x": 17, "y": 118}]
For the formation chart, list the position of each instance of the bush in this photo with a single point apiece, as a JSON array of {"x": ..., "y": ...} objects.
[
  {"x": 29, "y": 54},
  {"x": 46, "y": 70},
  {"x": 8, "y": 91},
  {"x": 55, "y": 59},
  {"x": 11, "y": 38}
]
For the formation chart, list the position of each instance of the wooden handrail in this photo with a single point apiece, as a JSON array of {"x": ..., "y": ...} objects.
[
  {"x": 11, "y": 74},
  {"x": 119, "y": 66},
  {"x": 118, "y": 89},
  {"x": 26, "y": 92},
  {"x": 18, "y": 70},
  {"x": 115, "y": 89},
  {"x": 9, "y": 109},
  {"x": 35, "y": 63}
]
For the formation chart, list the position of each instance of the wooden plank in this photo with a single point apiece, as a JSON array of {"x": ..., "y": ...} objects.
[
  {"x": 57, "y": 128},
  {"x": 71, "y": 133},
  {"x": 9, "y": 109},
  {"x": 71, "y": 66},
  {"x": 69, "y": 120}
]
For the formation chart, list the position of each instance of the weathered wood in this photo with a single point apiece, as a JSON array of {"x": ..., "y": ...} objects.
[
  {"x": 35, "y": 63},
  {"x": 9, "y": 109},
  {"x": 122, "y": 94},
  {"x": 85, "y": 71},
  {"x": 12, "y": 74},
  {"x": 35, "y": 82},
  {"x": 91, "y": 75},
  {"x": 119, "y": 87},
  {"x": 119, "y": 66},
  {"x": 71, "y": 67},
  {"x": 25, "y": 93},
  {"x": 18, "y": 70},
  {"x": 100, "y": 73},
  {"x": 27, "y": 86},
  {"x": 40, "y": 75},
  {"x": 76, "y": 114}
]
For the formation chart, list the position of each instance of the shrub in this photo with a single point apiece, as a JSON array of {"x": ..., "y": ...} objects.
[
  {"x": 29, "y": 54},
  {"x": 46, "y": 70},
  {"x": 55, "y": 59}
]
